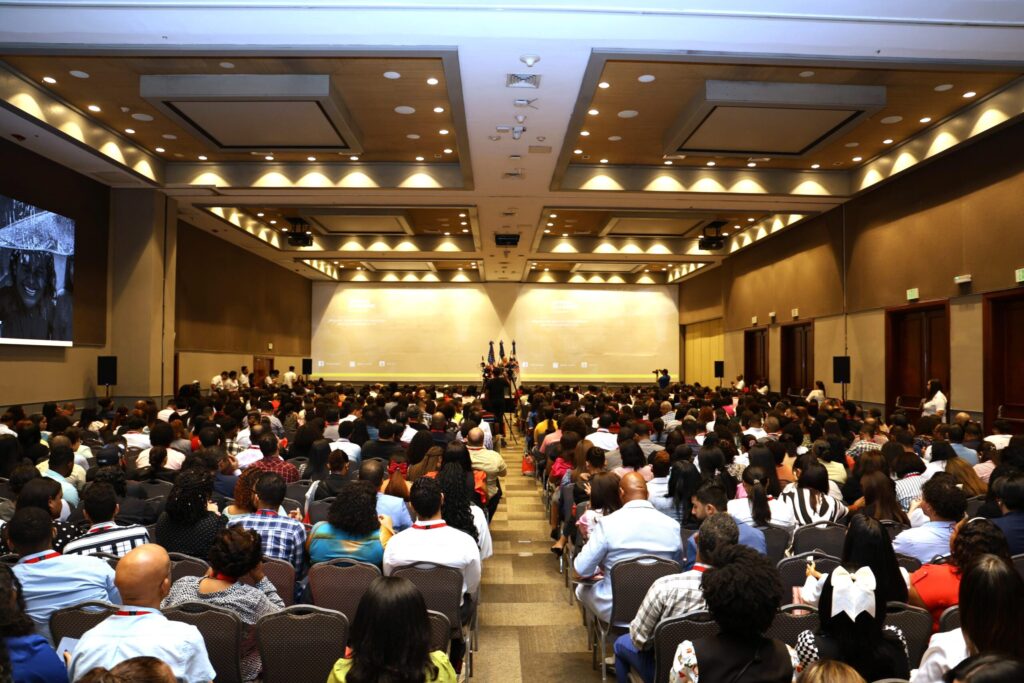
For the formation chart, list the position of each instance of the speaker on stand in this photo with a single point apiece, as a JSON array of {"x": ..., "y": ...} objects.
[
  {"x": 720, "y": 371},
  {"x": 841, "y": 372},
  {"x": 307, "y": 367},
  {"x": 106, "y": 372}
]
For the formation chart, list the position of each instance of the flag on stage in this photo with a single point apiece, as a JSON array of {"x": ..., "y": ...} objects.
[
  {"x": 501, "y": 348},
  {"x": 490, "y": 354}
]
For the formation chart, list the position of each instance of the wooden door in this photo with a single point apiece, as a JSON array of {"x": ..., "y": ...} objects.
[
  {"x": 755, "y": 355},
  {"x": 1004, "y": 359},
  {"x": 261, "y": 367},
  {"x": 917, "y": 350},
  {"x": 797, "y": 347}
]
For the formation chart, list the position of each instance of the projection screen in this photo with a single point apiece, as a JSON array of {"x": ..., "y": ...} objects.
[{"x": 370, "y": 332}]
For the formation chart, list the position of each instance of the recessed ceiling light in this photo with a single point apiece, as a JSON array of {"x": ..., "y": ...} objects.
[
  {"x": 969, "y": 94},
  {"x": 593, "y": 112},
  {"x": 93, "y": 107},
  {"x": 604, "y": 161},
  {"x": 925, "y": 119},
  {"x": 269, "y": 157},
  {"x": 551, "y": 225},
  {"x": 161, "y": 150},
  {"x": 227, "y": 65},
  {"x": 887, "y": 141},
  {"x": 584, "y": 133},
  {"x": 463, "y": 223},
  {"x": 858, "y": 158},
  {"x": 432, "y": 81},
  {"x": 815, "y": 166},
  {"x": 604, "y": 85},
  {"x": 943, "y": 87},
  {"x": 750, "y": 220},
  {"x": 446, "y": 235},
  {"x": 202, "y": 157},
  {"x": 645, "y": 78},
  {"x": 547, "y": 232},
  {"x": 392, "y": 75},
  {"x": 614, "y": 138},
  {"x": 851, "y": 145},
  {"x": 565, "y": 234},
  {"x": 647, "y": 270},
  {"x": 273, "y": 222},
  {"x": 448, "y": 150},
  {"x": 465, "y": 230},
  {"x": 628, "y": 114},
  {"x": 891, "y": 119},
  {"x": 353, "y": 158},
  {"x": 142, "y": 117},
  {"x": 419, "y": 158},
  {"x": 49, "y": 79},
  {"x": 405, "y": 110},
  {"x": 711, "y": 163},
  {"x": 462, "y": 215},
  {"x": 130, "y": 131},
  {"x": 169, "y": 136},
  {"x": 668, "y": 162},
  {"x": 806, "y": 74},
  {"x": 438, "y": 110},
  {"x": 260, "y": 214},
  {"x": 310, "y": 158},
  {"x": 443, "y": 131},
  {"x": 725, "y": 234},
  {"x": 577, "y": 151},
  {"x": 736, "y": 227},
  {"x": 553, "y": 215},
  {"x": 751, "y": 164},
  {"x": 79, "y": 74},
  {"x": 546, "y": 269}
]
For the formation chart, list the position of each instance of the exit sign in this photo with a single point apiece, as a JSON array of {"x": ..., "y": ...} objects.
[
  {"x": 913, "y": 294},
  {"x": 1018, "y": 275}
]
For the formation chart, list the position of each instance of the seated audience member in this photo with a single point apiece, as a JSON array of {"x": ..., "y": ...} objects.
[
  {"x": 353, "y": 530},
  {"x": 226, "y": 478},
  {"x": 830, "y": 671},
  {"x": 135, "y": 670},
  {"x": 604, "y": 500},
  {"x": 139, "y": 629},
  {"x": 330, "y": 486},
  {"x": 966, "y": 478},
  {"x": 190, "y": 521},
  {"x": 78, "y": 475},
  {"x": 683, "y": 482},
  {"x": 758, "y": 508},
  {"x": 160, "y": 434},
  {"x": 852, "y": 611},
  {"x": 236, "y": 553},
  {"x": 319, "y": 454},
  {"x": 936, "y": 587},
  {"x": 344, "y": 442},
  {"x": 19, "y": 476},
  {"x": 372, "y": 470},
  {"x": 490, "y": 463},
  {"x": 156, "y": 470},
  {"x": 428, "y": 465},
  {"x": 133, "y": 506},
  {"x": 991, "y": 598},
  {"x": 635, "y": 529},
  {"x": 104, "y": 534},
  {"x": 672, "y": 596},
  {"x": 880, "y": 499},
  {"x": 988, "y": 669},
  {"x": 390, "y": 639},
  {"x": 49, "y": 580},
  {"x": 460, "y": 510},
  {"x": 907, "y": 469},
  {"x": 657, "y": 487},
  {"x": 430, "y": 539},
  {"x": 867, "y": 544},
  {"x": 709, "y": 499},
  {"x": 384, "y": 446},
  {"x": 272, "y": 460},
  {"x": 1011, "y": 503},
  {"x": 245, "y": 494},
  {"x": 60, "y": 465},
  {"x": 46, "y": 494},
  {"x": 633, "y": 460},
  {"x": 284, "y": 537},
  {"x": 743, "y": 593},
  {"x": 809, "y": 499},
  {"x": 944, "y": 505},
  {"x": 28, "y": 656}
]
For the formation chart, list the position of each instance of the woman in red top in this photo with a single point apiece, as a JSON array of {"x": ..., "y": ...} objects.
[{"x": 936, "y": 587}]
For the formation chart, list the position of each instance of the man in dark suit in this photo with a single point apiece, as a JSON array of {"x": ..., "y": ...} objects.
[{"x": 1011, "y": 502}]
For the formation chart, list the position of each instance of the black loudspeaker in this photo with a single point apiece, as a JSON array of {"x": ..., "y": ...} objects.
[
  {"x": 719, "y": 368},
  {"x": 841, "y": 369},
  {"x": 106, "y": 370},
  {"x": 307, "y": 366}
]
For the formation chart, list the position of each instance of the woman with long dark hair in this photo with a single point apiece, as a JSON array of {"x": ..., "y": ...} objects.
[
  {"x": 880, "y": 498},
  {"x": 934, "y": 402},
  {"x": 390, "y": 639},
  {"x": 809, "y": 498},
  {"x": 24, "y": 655},
  {"x": 457, "y": 509},
  {"x": 759, "y": 508},
  {"x": 713, "y": 467},
  {"x": 683, "y": 482},
  {"x": 604, "y": 500},
  {"x": 940, "y": 452}
]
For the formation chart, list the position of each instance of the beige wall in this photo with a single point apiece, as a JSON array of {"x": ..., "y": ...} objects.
[
  {"x": 703, "y": 344},
  {"x": 965, "y": 346},
  {"x": 204, "y": 365}
]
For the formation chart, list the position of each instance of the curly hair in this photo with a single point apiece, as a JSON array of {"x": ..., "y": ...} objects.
[
  {"x": 236, "y": 551},
  {"x": 743, "y": 592},
  {"x": 187, "y": 501},
  {"x": 245, "y": 488},
  {"x": 948, "y": 501},
  {"x": 976, "y": 537},
  {"x": 134, "y": 670},
  {"x": 354, "y": 510},
  {"x": 455, "y": 508}
]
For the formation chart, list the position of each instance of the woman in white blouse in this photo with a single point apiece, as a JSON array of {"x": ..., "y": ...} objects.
[
  {"x": 818, "y": 393},
  {"x": 758, "y": 508},
  {"x": 935, "y": 403}
]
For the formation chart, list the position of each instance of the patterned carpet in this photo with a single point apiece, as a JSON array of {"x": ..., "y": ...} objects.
[{"x": 528, "y": 630}]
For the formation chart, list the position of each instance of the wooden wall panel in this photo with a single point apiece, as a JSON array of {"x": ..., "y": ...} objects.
[
  {"x": 700, "y": 298},
  {"x": 232, "y": 301},
  {"x": 31, "y": 178},
  {"x": 703, "y": 344}
]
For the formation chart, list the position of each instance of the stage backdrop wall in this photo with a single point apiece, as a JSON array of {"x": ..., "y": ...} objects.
[{"x": 439, "y": 333}]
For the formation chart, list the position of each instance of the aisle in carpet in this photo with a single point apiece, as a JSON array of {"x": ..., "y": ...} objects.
[{"x": 528, "y": 630}]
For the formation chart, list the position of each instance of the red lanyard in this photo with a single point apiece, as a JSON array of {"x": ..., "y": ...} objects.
[
  {"x": 220, "y": 576},
  {"x": 47, "y": 556},
  {"x": 267, "y": 513},
  {"x": 103, "y": 528},
  {"x": 432, "y": 526},
  {"x": 131, "y": 613}
]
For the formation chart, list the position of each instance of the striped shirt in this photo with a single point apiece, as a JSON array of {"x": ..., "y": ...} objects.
[
  {"x": 108, "y": 537},
  {"x": 827, "y": 509},
  {"x": 908, "y": 489}
]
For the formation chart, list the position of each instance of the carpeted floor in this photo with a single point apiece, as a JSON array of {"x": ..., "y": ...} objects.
[{"x": 528, "y": 630}]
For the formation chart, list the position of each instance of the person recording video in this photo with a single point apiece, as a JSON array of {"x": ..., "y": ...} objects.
[
  {"x": 663, "y": 378},
  {"x": 496, "y": 385}
]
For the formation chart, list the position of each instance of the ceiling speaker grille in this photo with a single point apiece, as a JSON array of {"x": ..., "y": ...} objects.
[{"x": 522, "y": 81}]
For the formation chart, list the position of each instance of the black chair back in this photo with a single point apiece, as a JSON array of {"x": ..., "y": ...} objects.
[
  {"x": 827, "y": 537},
  {"x": 777, "y": 540},
  {"x": 631, "y": 579},
  {"x": 222, "y": 632},
  {"x": 793, "y": 570},
  {"x": 791, "y": 621},
  {"x": 339, "y": 584},
  {"x": 73, "y": 622},
  {"x": 440, "y": 631},
  {"x": 319, "y": 509},
  {"x": 301, "y": 643},
  {"x": 669, "y": 633},
  {"x": 186, "y": 565},
  {"x": 916, "y": 624},
  {"x": 441, "y": 587},
  {"x": 950, "y": 619}
]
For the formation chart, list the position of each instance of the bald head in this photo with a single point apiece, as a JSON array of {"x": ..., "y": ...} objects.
[
  {"x": 143, "y": 576},
  {"x": 438, "y": 421},
  {"x": 475, "y": 437},
  {"x": 632, "y": 487}
]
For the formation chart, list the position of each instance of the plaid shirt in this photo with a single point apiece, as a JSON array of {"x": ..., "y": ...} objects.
[
  {"x": 283, "y": 537},
  {"x": 863, "y": 446},
  {"x": 288, "y": 471},
  {"x": 670, "y": 596},
  {"x": 231, "y": 446}
]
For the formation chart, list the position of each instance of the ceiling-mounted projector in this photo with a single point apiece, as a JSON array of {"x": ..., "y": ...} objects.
[{"x": 299, "y": 235}]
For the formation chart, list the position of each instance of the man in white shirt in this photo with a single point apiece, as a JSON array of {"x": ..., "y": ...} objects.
[
  {"x": 99, "y": 507},
  {"x": 430, "y": 539},
  {"x": 603, "y": 438},
  {"x": 289, "y": 378},
  {"x": 231, "y": 383},
  {"x": 1002, "y": 432},
  {"x": 217, "y": 383},
  {"x": 162, "y": 434},
  {"x": 138, "y": 629},
  {"x": 352, "y": 450},
  {"x": 739, "y": 384},
  {"x": 754, "y": 428},
  {"x": 243, "y": 378}
]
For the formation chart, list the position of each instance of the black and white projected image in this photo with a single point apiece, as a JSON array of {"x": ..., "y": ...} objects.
[{"x": 37, "y": 253}]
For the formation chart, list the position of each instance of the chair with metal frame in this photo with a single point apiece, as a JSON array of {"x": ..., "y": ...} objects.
[
  {"x": 827, "y": 537},
  {"x": 301, "y": 643},
  {"x": 339, "y": 584},
  {"x": 442, "y": 590},
  {"x": 221, "y": 630},
  {"x": 74, "y": 621},
  {"x": 669, "y": 633}
]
